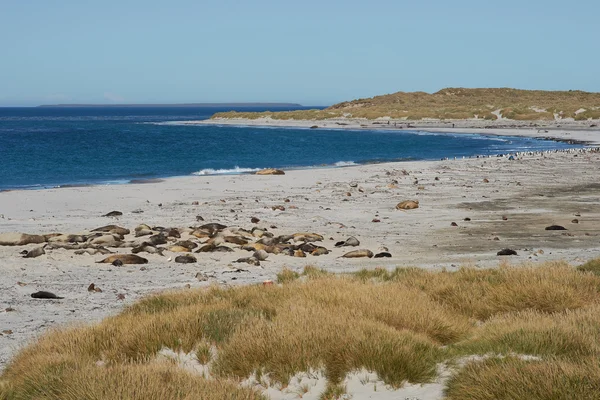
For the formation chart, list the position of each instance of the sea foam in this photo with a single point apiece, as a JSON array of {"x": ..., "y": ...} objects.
[{"x": 233, "y": 171}]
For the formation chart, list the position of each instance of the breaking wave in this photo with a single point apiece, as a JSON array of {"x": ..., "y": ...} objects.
[{"x": 232, "y": 171}]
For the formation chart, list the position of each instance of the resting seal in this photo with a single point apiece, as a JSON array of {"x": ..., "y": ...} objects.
[{"x": 45, "y": 295}]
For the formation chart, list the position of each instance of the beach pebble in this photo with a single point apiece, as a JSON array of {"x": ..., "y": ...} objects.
[{"x": 254, "y": 220}]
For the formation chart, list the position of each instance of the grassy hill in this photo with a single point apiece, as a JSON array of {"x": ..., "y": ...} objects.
[{"x": 454, "y": 103}]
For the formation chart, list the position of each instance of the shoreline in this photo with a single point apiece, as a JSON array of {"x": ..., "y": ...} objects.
[
  {"x": 576, "y": 132},
  {"x": 575, "y": 136},
  {"x": 494, "y": 203}
]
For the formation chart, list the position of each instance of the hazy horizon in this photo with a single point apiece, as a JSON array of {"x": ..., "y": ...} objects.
[{"x": 311, "y": 53}]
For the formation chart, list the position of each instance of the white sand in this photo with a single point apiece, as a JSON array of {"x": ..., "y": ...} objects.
[
  {"x": 532, "y": 192},
  {"x": 563, "y": 130}
]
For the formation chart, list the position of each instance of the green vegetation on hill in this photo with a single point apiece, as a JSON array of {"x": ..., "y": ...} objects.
[{"x": 454, "y": 103}]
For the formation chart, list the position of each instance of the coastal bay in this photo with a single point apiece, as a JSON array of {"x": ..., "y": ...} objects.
[{"x": 494, "y": 203}]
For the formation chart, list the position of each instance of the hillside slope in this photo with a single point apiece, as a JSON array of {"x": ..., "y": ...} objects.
[{"x": 455, "y": 103}]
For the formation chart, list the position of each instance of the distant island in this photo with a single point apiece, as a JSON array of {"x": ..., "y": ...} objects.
[
  {"x": 452, "y": 104},
  {"x": 175, "y": 105}
]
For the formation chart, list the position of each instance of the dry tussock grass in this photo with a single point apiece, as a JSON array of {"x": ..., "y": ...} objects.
[
  {"x": 62, "y": 378},
  {"x": 453, "y": 103},
  {"x": 512, "y": 378},
  {"x": 399, "y": 324}
]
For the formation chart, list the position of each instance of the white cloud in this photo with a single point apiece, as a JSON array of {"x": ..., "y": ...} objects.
[{"x": 114, "y": 98}]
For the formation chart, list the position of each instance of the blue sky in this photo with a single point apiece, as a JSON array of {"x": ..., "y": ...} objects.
[{"x": 311, "y": 52}]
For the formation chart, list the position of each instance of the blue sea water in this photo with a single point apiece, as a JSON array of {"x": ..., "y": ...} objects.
[{"x": 50, "y": 147}]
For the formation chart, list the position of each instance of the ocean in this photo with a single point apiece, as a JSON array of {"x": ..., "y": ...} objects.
[{"x": 55, "y": 147}]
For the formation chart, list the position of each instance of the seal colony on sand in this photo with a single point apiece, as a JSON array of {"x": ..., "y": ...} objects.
[{"x": 211, "y": 217}]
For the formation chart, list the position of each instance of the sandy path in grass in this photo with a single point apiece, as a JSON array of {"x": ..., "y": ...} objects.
[{"x": 531, "y": 192}]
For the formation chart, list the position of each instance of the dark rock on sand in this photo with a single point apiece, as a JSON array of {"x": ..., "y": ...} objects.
[
  {"x": 556, "y": 228},
  {"x": 507, "y": 252}
]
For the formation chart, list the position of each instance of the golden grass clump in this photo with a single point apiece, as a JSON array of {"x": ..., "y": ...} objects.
[
  {"x": 592, "y": 266},
  {"x": 400, "y": 324},
  {"x": 569, "y": 334},
  {"x": 484, "y": 293},
  {"x": 63, "y": 379},
  {"x": 512, "y": 378}
]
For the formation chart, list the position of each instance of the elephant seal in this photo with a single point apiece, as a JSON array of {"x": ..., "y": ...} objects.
[
  {"x": 307, "y": 237},
  {"x": 260, "y": 255},
  {"x": 113, "y": 214},
  {"x": 125, "y": 259},
  {"x": 20, "y": 239},
  {"x": 112, "y": 229},
  {"x": 270, "y": 171},
  {"x": 148, "y": 248},
  {"x": 248, "y": 260},
  {"x": 186, "y": 259},
  {"x": 383, "y": 254},
  {"x": 319, "y": 251},
  {"x": 407, "y": 205},
  {"x": 351, "y": 241},
  {"x": 187, "y": 244},
  {"x": 45, "y": 295},
  {"x": 38, "y": 251},
  {"x": 358, "y": 253}
]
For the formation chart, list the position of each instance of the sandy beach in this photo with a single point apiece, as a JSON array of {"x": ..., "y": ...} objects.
[
  {"x": 494, "y": 203},
  {"x": 567, "y": 130}
]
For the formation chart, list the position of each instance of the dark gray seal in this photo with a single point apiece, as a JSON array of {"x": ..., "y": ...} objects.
[{"x": 45, "y": 295}]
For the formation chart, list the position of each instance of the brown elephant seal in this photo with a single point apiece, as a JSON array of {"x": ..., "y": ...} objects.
[
  {"x": 45, "y": 295},
  {"x": 407, "y": 205},
  {"x": 319, "y": 251},
  {"x": 270, "y": 171},
  {"x": 157, "y": 239},
  {"x": 187, "y": 244},
  {"x": 212, "y": 228},
  {"x": 307, "y": 237},
  {"x": 112, "y": 229},
  {"x": 248, "y": 260},
  {"x": 20, "y": 239},
  {"x": 235, "y": 240},
  {"x": 125, "y": 259},
  {"x": 186, "y": 259},
  {"x": 113, "y": 214},
  {"x": 148, "y": 248},
  {"x": 358, "y": 254}
]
